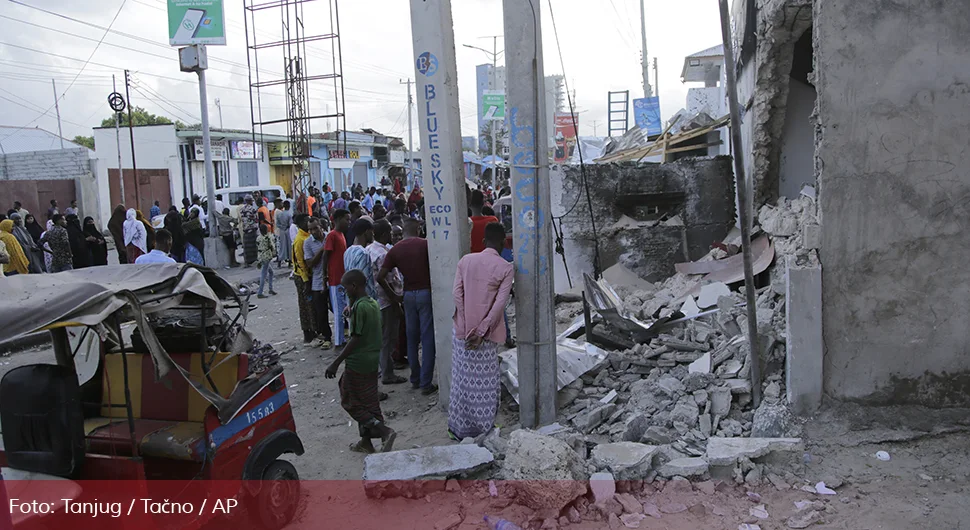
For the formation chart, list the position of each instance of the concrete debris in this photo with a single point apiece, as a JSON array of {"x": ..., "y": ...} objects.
[
  {"x": 759, "y": 511},
  {"x": 632, "y": 520},
  {"x": 803, "y": 519},
  {"x": 773, "y": 420},
  {"x": 393, "y": 474},
  {"x": 603, "y": 487},
  {"x": 548, "y": 473},
  {"x": 822, "y": 489},
  {"x": 701, "y": 365},
  {"x": 684, "y": 467},
  {"x": 651, "y": 509},
  {"x": 626, "y": 460},
  {"x": 629, "y": 502},
  {"x": 673, "y": 507},
  {"x": 729, "y": 451}
]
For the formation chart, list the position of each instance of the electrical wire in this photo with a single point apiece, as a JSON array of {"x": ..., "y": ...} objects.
[
  {"x": 582, "y": 163},
  {"x": 79, "y": 72}
]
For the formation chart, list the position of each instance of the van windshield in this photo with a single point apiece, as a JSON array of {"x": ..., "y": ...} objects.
[{"x": 238, "y": 197}]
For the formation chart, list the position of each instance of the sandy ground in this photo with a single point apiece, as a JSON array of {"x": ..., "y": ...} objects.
[{"x": 924, "y": 485}]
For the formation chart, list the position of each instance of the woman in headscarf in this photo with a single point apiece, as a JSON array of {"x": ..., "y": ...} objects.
[
  {"x": 136, "y": 237},
  {"x": 194, "y": 239},
  {"x": 18, "y": 260},
  {"x": 33, "y": 227},
  {"x": 415, "y": 196},
  {"x": 79, "y": 245},
  {"x": 27, "y": 244},
  {"x": 173, "y": 223},
  {"x": 97, "y": 246},
  {"x": 149, "y": 230},
  {"x": 48, "y": 253},
  {"x": 116, "y": 225}
]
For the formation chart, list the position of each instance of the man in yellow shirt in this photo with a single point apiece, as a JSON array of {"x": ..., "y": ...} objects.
[{"x": 301, "y": 276}]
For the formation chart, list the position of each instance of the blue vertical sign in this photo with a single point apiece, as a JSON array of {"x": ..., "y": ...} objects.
[{"x": 646, "y": 112}]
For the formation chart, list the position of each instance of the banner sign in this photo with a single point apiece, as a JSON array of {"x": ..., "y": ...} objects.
[
  {"x": 246, "y": 150},
  {"x": 493, "y": 105},
  {"x": 196, "y": 22},
  {"x": 217, "y": 148},
  {"x": 566, "y": 131},
  {"x": 354, "y": 155},
  {"x": 646, "y": 113}
]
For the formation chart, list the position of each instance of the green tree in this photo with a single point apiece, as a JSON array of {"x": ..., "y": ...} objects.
[
  {"x": 139, "y": 116},
  {"x": 86, "y": 141},
  {"x": 501, "y": 135}
]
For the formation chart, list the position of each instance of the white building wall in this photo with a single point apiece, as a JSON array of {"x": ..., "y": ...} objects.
[{"x": 156, "y": 147}]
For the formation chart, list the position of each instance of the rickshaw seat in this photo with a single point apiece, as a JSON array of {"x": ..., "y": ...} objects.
[{"x": 168, "y": 414}]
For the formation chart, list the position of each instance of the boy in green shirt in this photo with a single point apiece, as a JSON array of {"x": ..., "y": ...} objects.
[{"x": 359, "y": 394}]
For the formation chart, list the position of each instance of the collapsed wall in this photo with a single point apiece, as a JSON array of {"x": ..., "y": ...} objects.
[{"x": 647, "y": 216}]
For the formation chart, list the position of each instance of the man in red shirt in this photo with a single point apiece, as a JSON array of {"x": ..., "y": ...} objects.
[
  {"x": 410, "y": 258},
  {"x": 479, "y": 221},
  {"x": 333, "y": 255}
]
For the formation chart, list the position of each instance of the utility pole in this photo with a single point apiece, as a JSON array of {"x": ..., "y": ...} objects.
[
  {"x": 532, "y": 214},
  {"x": 656, "y": 77},
  {"x": 410, "y": 176},
  {"x": 595, "y": 128},
  {"x": 495, "y": 87},
  {"x": 58, "y": 109},
  {"x": 219, "y": 106},
  {"x": 744, "y": 201},
  {"x": 436, "y": 74},
  {"x": 131, "y": 136},
  {"x": 645, "y": 59},
  {"x": 121, "y": 172}
]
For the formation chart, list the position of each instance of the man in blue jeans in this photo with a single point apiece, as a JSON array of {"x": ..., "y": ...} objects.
[{"x": 410, "y": 257}]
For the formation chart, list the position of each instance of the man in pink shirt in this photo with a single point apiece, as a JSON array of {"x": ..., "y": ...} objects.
[{"x": 482, "y": 287}]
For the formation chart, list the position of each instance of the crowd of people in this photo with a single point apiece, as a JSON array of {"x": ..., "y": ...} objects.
[
  {"x": 358, "y": 256},
  {"x": 362, "y": 258}
]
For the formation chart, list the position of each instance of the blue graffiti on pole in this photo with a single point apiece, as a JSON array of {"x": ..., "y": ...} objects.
[
  {"x": 427, "y": 64},
  {"x": 439, "y": 214},
  {"x": 531, "y": 218}
]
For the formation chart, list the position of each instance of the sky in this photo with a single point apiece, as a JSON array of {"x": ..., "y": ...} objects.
[{"x": 599, "y": 42}]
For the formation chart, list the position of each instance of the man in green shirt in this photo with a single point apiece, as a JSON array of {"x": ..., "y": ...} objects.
[{"x": 359, "y": 394}]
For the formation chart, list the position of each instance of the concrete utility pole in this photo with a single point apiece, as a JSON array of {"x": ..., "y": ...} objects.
[
  {"x": 57, "y": 108},
  {"x": 744, "y": 201},
  {"x": 408, "y": 180},
  {"x": 131, "y": 138},
  {"x": 645, "y": 60},
  {"x": 532, "y": 208},
  {"x": 121, "y": 172},
  {"x": 436, "y": 74},
  {"x": 219, "y": 106},
  {"x": 656, "y": 76},
  {"x": 495, "y": 87}
]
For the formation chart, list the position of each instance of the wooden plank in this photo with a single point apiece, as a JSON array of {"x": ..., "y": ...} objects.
[{"x": 692, "y": 147}]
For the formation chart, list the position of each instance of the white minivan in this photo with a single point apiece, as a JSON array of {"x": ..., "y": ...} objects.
[{"x": 233, "y": 197}]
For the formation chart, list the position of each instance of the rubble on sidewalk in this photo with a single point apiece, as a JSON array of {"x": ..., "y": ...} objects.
[{"x": 547, "y": 473}]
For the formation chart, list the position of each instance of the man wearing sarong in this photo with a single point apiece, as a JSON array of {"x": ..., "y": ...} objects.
[
  {"x": 250, "y": 228},
  {"x": 482, "y": 287}
]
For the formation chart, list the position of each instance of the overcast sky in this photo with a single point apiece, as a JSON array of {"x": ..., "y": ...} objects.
[{"x": 600, "y": 42}]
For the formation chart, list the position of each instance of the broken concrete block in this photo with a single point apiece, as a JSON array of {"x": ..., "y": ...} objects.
[
  {"x": 685, "y": 411},
  {"x": 728, "y": 451},
  {"x": 739, "y": 386},
  {"x": 704, "y": 424},
  {"x": 629, "y": 502},
  {"x": 603, "y": 487},
  {"x": 701, "y": 365},
  {"x": 626, "y": 460},
  {"x": 635, "y": 428},
  {"x": 720, "y": 401},
  {"x": 670, "y": 385},
  {"x": 588, "y": 421},
  {"x": 383, "y": 472},
  {"x": 697, "y": 380},
  {"x": 690, "y": 307},
  {"x": 657, "y": 435},
  {"x": 548, "y": 473},
  {"x": 684, "y": 467},
  {"x": 730, "y": 369},
  {"x": 710, "y": 294},
  {"x": 773, "y": 420},
  {"x": 811, "y": 236}
]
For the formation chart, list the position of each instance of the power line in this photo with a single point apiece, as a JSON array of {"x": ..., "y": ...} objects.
[{"x": 79, "y": 72}]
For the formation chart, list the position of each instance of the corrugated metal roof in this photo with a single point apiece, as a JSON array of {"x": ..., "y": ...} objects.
[
  {"x": 23, "y": 140},
  {"x": 713, "y": 51}
]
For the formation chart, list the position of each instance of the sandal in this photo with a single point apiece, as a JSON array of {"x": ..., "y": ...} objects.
[
  {"x": 387, "y": 444},
  {"x": 396, "y": 380}
]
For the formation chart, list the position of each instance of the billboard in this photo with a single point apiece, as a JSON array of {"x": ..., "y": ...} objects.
[
  {"x": 493, "y": 105},
  {"x": 196, "y": 22},
  {"x": 280, "y": 154},
  {"x": 567, "y": 126},
  {"x": 217, "y": 148},
  {"x": 646, "y": 113},
  {"x": 246, "y": 150}
]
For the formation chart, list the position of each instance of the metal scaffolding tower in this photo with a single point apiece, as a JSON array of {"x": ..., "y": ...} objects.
[{"x": 295, "y": 76}]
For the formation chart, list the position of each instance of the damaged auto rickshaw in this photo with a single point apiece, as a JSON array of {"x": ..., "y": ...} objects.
[{"x": 156, "y": 379}]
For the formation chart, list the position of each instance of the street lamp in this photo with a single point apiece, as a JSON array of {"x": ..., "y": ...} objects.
[{"x": 494, "y": 54}]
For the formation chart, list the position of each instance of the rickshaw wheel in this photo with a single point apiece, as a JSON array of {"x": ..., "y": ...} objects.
[{"x": 278, "y": 499}]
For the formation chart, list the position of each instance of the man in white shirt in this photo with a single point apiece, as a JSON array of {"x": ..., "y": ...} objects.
[
  {"x": 197, "y": 205},
  {"x": 391, "y": 311},
  {"x": 163, "y": 245}
]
